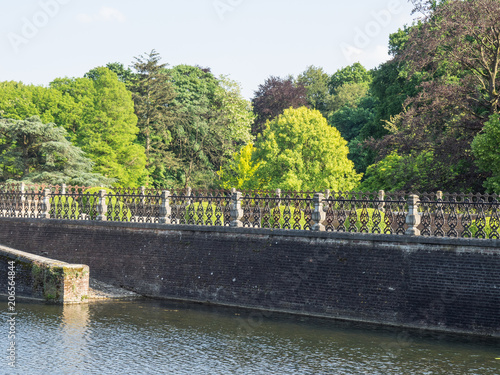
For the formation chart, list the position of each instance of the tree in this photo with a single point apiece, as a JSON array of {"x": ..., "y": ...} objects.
[
  {"x": 213, "y": 122},
  {"x": 106, "y": 126},
  {"x": 425, "y": 7},
  {"x": 349, "y": 95},
  {"x": 315, "y": 81},
  {"x": 300, "y": 151},
  {"x": 355, "y": 73},
  {"x": 19, "y": 101},
  {"x": 454, "y": 54},
  {"x": 352, "y": 120},
  {"x": 126, "y": 76},
  {"x": 153, "y": 94},
  {"x": 461, "y": 39},
  {"x": 232, "y": 117},
  {"x": 414, "y": 172},
  {"x": 113, "y": 138},
  {"x": 486, "y": 148},
  {"x": 193, "y": 143},
  {"x": 273, "y": 97},
  {"x": 35, "y": 152},
  {"x": 241, "y": 171}
]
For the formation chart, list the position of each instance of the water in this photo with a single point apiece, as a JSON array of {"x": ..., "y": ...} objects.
[{"x": 158, "y": 337}]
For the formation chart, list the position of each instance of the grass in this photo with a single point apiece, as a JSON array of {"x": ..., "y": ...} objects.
[{"x": 292, "y": 221}]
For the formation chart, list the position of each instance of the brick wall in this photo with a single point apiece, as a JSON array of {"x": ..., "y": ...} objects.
[{"x": 436, "y": 283}]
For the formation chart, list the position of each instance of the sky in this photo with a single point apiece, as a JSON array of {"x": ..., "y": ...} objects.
[{"x": 246, "y": 40}]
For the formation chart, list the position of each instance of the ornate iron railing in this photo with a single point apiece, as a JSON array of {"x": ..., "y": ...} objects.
[
  {"x": 426, "y": 214},
  {"x": 461, "y": 215}
]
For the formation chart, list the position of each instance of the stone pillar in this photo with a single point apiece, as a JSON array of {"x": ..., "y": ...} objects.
[
  {"x": 413, "y": 217},
  {"x": 24, "y": 208},
  {"x": 319, "y": 214},
  {"x": 63, "y": 189},
  {"x": 327, "y": 193},
  {"x": 381, "y": 197},
  {"x": 143, "y": 195},
  {"x": 102, "y": 207},
  {"x": 165, "y": 210},
  {"x": 278, "y": 193},
  {"x": 45, "y": 205},
  {"x": 236, "y": 210}
]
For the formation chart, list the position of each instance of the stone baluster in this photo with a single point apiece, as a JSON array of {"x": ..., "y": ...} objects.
[
  {"x": 319, "y": 214},
  {"x": 45, "y": 205},
  {"x": 102, "y": 207},
  {"x": 413, "y": 217},
  {"x": 165, "y": 209},
  {"x": 236, "y": 210},
  {"x": 381, "y": 197},
  {"x": 24, "y": 208}
]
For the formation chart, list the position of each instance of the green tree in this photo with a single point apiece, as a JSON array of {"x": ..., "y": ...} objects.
[
  {"x": 231, "y": 118},
  {"x": 19, "y": 101},
  {"x": 401, "y": 172},
  {"x": 241, "y": 171},
  {"x": 355, "y": 73},
  {"x": 153, "y": 96},
  {"x": 486, "y": 148},
  {"x": 351, "y": 120},
  {"x": 125, "y": 75},
  {"x": 32, "y": 151},
  {"x": 300, "y": 151},
  {"x": 193, "y": 142},
  {"x": 213, "y": 123},
  {"x": 106, "y": 128},
  {"x": 315, "y": 81},
  {"x": 349, "y": 94}
]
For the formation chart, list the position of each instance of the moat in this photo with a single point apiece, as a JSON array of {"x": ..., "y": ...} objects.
[{"x": 159, "y": 337}]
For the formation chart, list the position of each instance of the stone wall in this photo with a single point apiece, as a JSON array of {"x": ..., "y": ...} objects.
[
  {"x": 39, "y": 278},
  {"x": 422, "y": 282}
]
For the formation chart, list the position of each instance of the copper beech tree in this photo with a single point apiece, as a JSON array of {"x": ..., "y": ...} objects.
[{"x": 455, "y": 52}]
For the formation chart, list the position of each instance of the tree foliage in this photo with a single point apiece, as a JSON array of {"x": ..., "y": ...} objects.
[
  {"x": 315, "y": 81},
  {"x": 454, "y": 54},
  {"x": 32, "y": 151},
  {"x": 213, "y": 121},
  {"x": 241, "y": 171},
  {"x": 273, "y": 97},
  {"x": 153, "y": 94},
  {"x": 106, "y": 126},
  {"x": 300, "y": 151},
  {"x": 355, "y": 73},
  {"x": 486, "y": 147},
  {"x": 414, "y": 172},
  {"x": 19, "y": 101}
]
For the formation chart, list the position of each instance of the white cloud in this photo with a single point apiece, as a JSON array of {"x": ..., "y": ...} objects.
[{"x": 105, "y": 14}]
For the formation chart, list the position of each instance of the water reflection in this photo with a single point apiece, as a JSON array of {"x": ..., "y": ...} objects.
[
  {"x": 151, "y": 337},
  {"x": 74, "y": 334}
]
